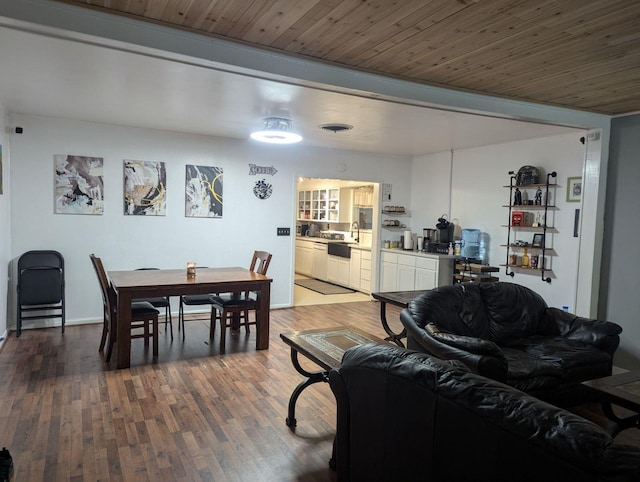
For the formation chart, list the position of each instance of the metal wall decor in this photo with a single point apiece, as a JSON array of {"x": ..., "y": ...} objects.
[
  {"x": 256, "y": 170},
  {"x": 262, "y": 189}
]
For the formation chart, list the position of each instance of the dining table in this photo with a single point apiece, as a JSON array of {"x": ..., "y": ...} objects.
[{"x": 134, "y": 284}]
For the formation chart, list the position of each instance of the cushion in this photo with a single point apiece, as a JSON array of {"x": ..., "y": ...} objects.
[
  {"x": 456, "y": 309},
  {"x": 513, "y": 311}
]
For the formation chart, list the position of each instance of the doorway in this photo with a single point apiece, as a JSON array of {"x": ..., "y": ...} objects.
[{"x": 335, "y": 211}]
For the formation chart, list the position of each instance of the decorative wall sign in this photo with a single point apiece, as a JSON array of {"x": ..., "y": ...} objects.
[
  {"x": 262, "y": 190},
  {"x": 203, "y": 192},
  {"x": 79, "y": 185},
  {"x": 386, "y": 192},
  {"x": 255, "y": 170},
  {"x": 145, "y": 188}
]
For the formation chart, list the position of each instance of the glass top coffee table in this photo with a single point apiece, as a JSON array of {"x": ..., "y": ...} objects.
[
  {"x": 325, "y": 348},
  {"x": 622, "y": 389}
]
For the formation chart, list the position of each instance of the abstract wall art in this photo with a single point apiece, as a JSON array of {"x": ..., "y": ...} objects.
[
  {"x": 203, "y": 192},
  {"x": 145, "y": 188},
  {"x": 79, "y": 184}
]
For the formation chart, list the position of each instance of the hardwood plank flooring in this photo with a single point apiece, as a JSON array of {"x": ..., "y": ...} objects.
[{"x": 193, "y": 415}]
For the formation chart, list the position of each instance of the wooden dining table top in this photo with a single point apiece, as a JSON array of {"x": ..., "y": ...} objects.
[{"x": 173, "y": 277}]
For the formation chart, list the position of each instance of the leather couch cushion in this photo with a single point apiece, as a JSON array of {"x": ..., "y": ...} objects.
[
  {"x": 513, "y": 311},
  {"x": 470, "y": 427},
  {"x": 455, "y": 309}
]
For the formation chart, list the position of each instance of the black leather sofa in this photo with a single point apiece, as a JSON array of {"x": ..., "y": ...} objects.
[
  {"x": 405, "y": 416},
  {"x": 507, "y": 332}
]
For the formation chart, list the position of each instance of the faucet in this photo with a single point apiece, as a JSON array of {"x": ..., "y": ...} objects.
[{"x": 356, "y": 227}]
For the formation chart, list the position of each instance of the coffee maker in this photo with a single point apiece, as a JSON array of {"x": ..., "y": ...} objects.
[{"x": 429, "y": 236}]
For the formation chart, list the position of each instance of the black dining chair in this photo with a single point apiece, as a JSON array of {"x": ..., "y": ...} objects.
[
  {"x": 143, "y": 315},
  {"x": 194, "y": 300},
  {"x": 40, "y": 287},
  {"x": 239, "y": 304},
  {"x": 160, "y": 302}
]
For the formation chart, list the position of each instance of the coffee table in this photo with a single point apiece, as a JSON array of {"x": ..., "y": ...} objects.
[
  {"x": 397, "y": 298},
  {"x": 622, "y": 389},
  {"x": 325, "y": 348}
]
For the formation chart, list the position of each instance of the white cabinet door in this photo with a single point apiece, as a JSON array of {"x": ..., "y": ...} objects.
[
  {"x": 299, "y": 259},
  {"x": 426, "y": 273},
  {"x": 365, "y": 272},
  {"x": 319, "y": 270},
  {"x": 354, "y": 269},
  {"x": 307, "y": 261},
  {"x": 426, "y": 279},
  {"x": 332, "y": 269},
  {"x": 344, "y": 269},
  {"x": 406, "y": 278},
  {"x": 304, "y": 257},
  {"x": 389, "y": 277}
]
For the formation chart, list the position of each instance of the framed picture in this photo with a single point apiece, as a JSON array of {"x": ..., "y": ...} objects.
[
  {"x": 574, "y": 189},
  {"x": 538, "y": 240}
]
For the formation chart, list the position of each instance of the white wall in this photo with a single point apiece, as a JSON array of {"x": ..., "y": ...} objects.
[
  {"x": 477, "y": 196},
  {"x": 5, "y": 223},
  {"x": 621, "y": 230},
  {"x": 128, "y": 242}
]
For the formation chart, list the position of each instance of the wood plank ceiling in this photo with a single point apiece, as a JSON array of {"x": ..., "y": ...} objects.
[{"x": 582, "y": 54}]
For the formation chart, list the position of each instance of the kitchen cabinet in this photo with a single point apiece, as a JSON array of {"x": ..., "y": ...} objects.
[
  {"x": 417, "y": 271},
  {"x": 355, "y": 264},
  {"x": 406, "y": 272},
  {"x": 360, "y": 270},
  {"x": 534, "y": 221},
  {"x": 338, "y": 270},
  {"x": 304, "y": 205},
  {"x": 331, "y": 205},
  {"x": 304, "y": 257},
  {"x": 365, "y": 271},
  {"x": 319, "y": 267}
]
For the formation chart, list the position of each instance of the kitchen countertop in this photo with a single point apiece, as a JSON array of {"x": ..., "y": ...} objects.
[
  {"x": 323, "y": 240},
  {"x": 419, "y": 253},
  {"x": 313, "y": 239}
]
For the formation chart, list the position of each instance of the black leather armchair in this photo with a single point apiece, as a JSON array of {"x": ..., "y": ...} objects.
[
  {"x": 507, "y": 332},
  {"x": 405, "y": 416}
]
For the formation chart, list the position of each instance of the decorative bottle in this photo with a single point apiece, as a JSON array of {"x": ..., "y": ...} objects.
[{"x": 525, "y": 258}]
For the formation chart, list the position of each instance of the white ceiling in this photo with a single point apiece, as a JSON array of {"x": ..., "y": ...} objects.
[{"x": 60, "y": 77}]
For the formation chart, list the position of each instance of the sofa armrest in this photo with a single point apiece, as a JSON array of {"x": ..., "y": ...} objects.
[
  {"x": 479, "y": 356},
  {"x": 602, "y": 334}
]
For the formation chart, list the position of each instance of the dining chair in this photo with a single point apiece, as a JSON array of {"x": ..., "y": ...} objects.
[
  {"x": 195, "y": 300},
  {"x": 143, "y": 315},
  {"x": 160, "y": 302},
  {"x": 239, "y": 304}
]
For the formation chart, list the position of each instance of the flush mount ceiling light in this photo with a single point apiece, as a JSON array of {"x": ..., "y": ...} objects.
[
  {"x": 336, "y": 127},
  {"x": 277, "y": 130}
]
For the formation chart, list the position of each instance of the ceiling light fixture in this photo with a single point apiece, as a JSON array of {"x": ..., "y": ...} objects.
[
  {"x": 277, "y": 130},
  {"x": 335, "y": 128}
]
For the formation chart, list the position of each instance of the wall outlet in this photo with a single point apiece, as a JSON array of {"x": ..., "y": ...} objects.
[{"x": 284, "y": 231}]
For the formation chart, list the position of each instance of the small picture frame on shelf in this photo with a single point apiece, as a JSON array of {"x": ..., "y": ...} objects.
[
  {"x": 538, "y": 240},
  {"x": 574, "y": 189}
]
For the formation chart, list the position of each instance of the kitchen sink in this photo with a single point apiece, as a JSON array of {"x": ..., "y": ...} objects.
[{"x": 339, "y": 249}]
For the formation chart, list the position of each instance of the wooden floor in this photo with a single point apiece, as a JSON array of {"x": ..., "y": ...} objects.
[{"x": 194, "y": 415}]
